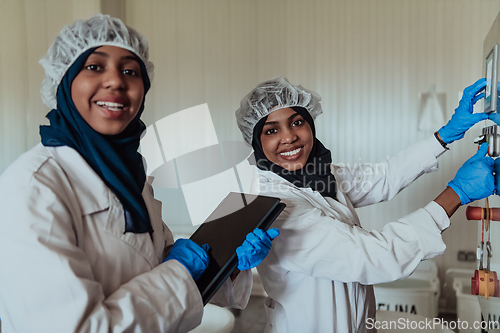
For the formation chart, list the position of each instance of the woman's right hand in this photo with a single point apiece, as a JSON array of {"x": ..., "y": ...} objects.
[
  {"x": 255, "y": 248},
  {"x": 190, "y": 255},
  {"x": 474, "y": 180}
]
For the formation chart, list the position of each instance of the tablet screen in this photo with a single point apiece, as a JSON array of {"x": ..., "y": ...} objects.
[{"x": 226, "y": 228}]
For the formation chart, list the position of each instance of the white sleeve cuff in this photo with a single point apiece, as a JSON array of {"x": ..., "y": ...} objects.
[
  {"x": 438, "y": 214},
  {"x": 428, "y": 224},
  {"x": 434, "y": 145}
]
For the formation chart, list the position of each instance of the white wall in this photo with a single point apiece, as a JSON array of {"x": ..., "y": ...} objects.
[
  {"x": 369, "y": 59},
  {"x": 27, "y": 28}
]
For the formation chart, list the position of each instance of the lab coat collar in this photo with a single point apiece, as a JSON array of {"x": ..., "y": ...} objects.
[
  {"x": 91, "y": 191},
  {"x": 341, "y": 208}
]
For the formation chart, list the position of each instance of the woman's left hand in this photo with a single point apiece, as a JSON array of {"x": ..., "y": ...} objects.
[
  {"x": 464, "y": 118},
  {"x": 255, "y": 248}
]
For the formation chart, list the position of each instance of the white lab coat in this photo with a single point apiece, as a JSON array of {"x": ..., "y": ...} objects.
[
  {"x": 320, "y": 268},
  {"x": 66, "y": 264}
]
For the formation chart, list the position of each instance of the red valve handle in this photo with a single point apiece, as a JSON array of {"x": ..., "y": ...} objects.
[{"x": 480, "y": 213}]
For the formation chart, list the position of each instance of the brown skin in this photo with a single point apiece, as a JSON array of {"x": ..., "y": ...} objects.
[
  {"x": 110, "y": 74},
  {"x": 287, "y": 131},
  {"x": 449, "y": 200}
]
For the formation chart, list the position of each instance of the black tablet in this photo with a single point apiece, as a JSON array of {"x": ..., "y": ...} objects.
[{"x": 225, "y": 230}]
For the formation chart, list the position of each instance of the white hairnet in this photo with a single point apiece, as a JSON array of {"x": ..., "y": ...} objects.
[
  {"x": 73, "y": 40},
  {"x": 272, "y": 95}
]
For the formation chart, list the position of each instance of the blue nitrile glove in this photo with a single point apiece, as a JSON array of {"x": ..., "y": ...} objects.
[
  {"x": 255, "y": 248},
  {"x": 463, "y": 118},
  {"x": 497, "y": 176},
  {"x": 474, "y": 180},
  {"x": 494, "y": 117},
  {"x": 191, "y": 255}
]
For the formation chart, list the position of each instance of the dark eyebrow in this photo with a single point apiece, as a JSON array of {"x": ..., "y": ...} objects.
[
  {"x": 104, "y": 54},
  {"x": 289, "y": 119}
]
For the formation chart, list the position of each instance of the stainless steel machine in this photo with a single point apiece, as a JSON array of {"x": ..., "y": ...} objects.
[{"x": 485, "y": 282}]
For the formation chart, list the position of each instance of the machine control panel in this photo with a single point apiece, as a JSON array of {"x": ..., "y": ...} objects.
[{"x": 491, "y": 91}]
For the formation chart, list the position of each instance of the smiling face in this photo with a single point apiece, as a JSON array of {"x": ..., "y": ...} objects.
[
  {"x": 109, "y": 90},
  {"x": 287, "y": 139}
]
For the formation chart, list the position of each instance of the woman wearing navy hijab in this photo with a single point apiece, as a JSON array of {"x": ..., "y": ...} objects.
[{"x": 83, "y": 247}]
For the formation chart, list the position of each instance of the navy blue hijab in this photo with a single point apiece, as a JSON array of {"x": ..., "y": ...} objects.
[
  {"x": 316, "y": 173},
  {"x": 113, "y": 157}
]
